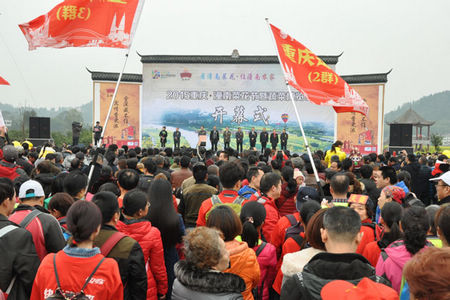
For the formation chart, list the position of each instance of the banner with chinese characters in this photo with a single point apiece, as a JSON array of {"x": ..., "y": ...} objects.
[
  {"x": 309, "y": 74},
  {"x": 188, "y": 96},
  {"x": 85, "y": 23},
  {"x": 361, "y": 132},
  {"x": 124, "y": 121}
]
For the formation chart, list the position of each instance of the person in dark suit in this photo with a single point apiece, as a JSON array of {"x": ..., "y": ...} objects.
[
  {"x": 176, "y": 138},
  {"x": 76, "y": 130},
  {"x": 252, "y": 135},
  {"x": 239, "y": 139},
  {"x": 263, "y": 139},
  {"x": 283, "y": 139},
  {"x": 163, "y": 137},
  {"x": 214, "y": 138},
  {"x": 274, "y": 139},
  {"x": 226, "y": 138}
]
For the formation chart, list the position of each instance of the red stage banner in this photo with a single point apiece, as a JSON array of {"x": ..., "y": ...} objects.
[
  {"x": 3, "y": 81},
  {"x": 85, "y": 23},
  {"x": 310, "y": 75}
]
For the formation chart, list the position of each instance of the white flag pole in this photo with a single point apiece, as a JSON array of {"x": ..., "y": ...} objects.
[
  {"x": 308, "y": 149},
  {"x": 135, "y": 23}
]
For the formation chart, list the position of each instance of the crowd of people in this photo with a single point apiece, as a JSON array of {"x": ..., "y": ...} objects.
[{"x": 121, "y": 223}]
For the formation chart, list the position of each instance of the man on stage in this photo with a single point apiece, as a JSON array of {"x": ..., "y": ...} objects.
[
  {"x": 214, "y": 138},
  {"x": 263, "y": 139},
  {"x": 176, "y": 138},
  {"x": 97, "y": 132},
  {"x": 274, "y": 139},
  {"x": 163, "y": 137},
  {"x": 239, "y": 139},
  {"x": 284, "y": 138},
  {"x": 252, "y": 135},
  {"x": 226, "y": 138}
]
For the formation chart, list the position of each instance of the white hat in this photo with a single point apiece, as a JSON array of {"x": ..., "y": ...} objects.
[
  {"x": 30, "y": 189},
  {"x": 444, "y": 177}
]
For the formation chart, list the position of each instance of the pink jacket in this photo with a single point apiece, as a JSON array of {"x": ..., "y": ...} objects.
[
  {"x": 267, "y": 260},
  {"x": 391, "y": 262}
]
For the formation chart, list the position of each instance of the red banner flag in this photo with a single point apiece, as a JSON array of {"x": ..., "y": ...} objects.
[
  {"x": 310, "y": 75},
  {"x": 3, "y": 81},
  {"x": 85, "y": 23}
]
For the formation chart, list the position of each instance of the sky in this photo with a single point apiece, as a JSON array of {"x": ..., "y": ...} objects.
[{"x": 411, "y": 37}]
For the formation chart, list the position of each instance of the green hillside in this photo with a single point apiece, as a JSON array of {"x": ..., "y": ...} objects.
[{"x": 435, "y": 107}]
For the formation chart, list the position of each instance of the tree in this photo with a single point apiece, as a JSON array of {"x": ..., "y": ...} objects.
[{"x": 436, "y": 141}]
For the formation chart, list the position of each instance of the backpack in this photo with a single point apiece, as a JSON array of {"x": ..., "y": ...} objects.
[
  {"x": 4, "y": 231},
  {"x": 294, "y": 230},
  {"x": 112, "y": 241},
  {"x": 60, "y": 295},
  {"x": 258, "y": 292},
  {"x": 65, "y": 232},
  {"x": 236, "y": 205},
  {"x": 377, "y": 231}
]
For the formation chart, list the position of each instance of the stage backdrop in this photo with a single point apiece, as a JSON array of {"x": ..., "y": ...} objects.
[
  {"x": 234, "y": 95},
  {"x": 124, "y": 121},
  {"x": 363, "y": 132}
]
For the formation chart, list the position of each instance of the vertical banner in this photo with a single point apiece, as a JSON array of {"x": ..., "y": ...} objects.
[
  {"x": 124, "y": 122},
  {"x": 357, "y": 131}
]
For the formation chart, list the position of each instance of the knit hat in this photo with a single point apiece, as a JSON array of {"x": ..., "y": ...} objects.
[
  {"x": 10, "y": 153},
  {"x": 298, "y": 173},
  {"x": 396, "y": 193},
  {"x": 31, "y": 189},
  {"x": 366, "y": 289}
]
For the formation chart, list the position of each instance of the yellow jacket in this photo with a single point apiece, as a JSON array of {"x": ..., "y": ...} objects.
[{"x": 338, "y": 152}]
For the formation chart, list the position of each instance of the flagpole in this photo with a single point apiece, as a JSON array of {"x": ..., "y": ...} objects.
[
  {"x": 308, "y": 149},
  {"x": 134, "y": 27}
]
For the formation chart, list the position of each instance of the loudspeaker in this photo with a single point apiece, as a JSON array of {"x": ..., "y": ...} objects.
[
  {"x": 34, "y": 127},
  {"x": 39, "y": 128},
  {"x": 400, "y": 135}
]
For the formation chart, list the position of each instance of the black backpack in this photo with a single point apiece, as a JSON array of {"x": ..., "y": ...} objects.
[{"x": 60, "y": 295}]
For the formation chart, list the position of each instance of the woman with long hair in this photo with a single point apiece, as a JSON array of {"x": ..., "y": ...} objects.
[
  {"x": 69, "y": 272},
  {"x": 414, "y": 224},
  {"x": 252, "y": 218},
  {"x": 335, "y": 150},
  {"x": 391, "y": 213},
  {"x": 243, "y": 261},
  {"x": 164, "y": 217},
  {"x": 286, "y": 202}
]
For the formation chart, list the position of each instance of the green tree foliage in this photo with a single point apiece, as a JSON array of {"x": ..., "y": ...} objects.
[{"x": 436, "y": 141}]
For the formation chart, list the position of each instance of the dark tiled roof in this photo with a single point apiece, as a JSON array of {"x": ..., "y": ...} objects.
[
  {"x": 366, "y": 78},
  {"x": 105, "y": 76},
  {"x": 223, "y": 59},
  {"x": 411, "y": 117}
]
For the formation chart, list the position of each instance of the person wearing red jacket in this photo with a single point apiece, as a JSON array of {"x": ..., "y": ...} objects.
[
  {"x": 135, "y": 208},
  {"x": 8, "y": 166},
  {"x": 78, "y": 261},
  {"x": 289, "y": 189},
  {"x": 230, "y": 175},
  {"x": 391, "y": 214},
  {"x": 269, "y": 191}
]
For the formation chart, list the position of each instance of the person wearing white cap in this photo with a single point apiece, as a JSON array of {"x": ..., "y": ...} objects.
[
  {"x": 30, "y": 214},
  {"x": 443, "y": 188}
]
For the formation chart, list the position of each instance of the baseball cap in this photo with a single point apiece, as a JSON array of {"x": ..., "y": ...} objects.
[
  {"x": 31, "y": 189},
  {"x": 444, "y": 177},
  {"x": 10, "y": 153},
  {"x": 366, "y": 289}
]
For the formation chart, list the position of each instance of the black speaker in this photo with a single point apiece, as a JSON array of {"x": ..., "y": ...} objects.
[
  {"x": 34, "y": 127},
  {"x": 400, "y": 135},
  {"x": 39, "y": 128}
]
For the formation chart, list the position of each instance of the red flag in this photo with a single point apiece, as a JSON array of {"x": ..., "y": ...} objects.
[
  {"x": 3, "y": 81},
  {"x": 310, "y": 75},
  {"x": 85, "y": 23}
]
